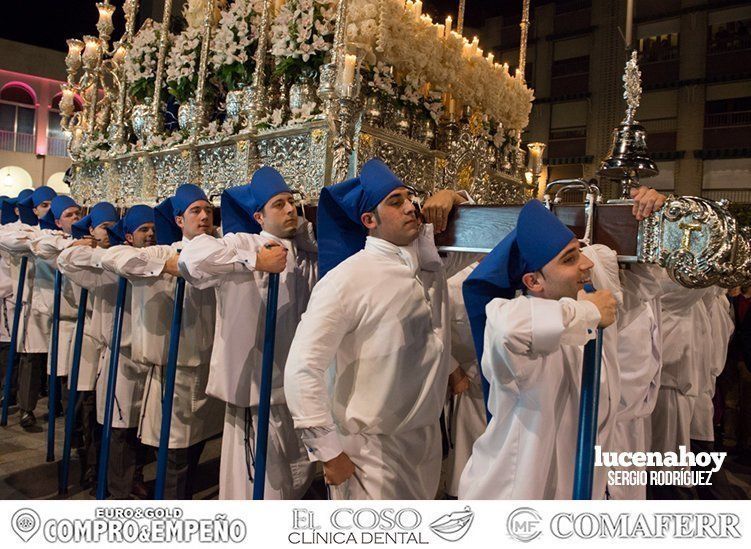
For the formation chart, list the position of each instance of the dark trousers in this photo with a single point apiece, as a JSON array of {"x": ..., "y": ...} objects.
[
  {"x": 31, "y": 368},
  {"x": 182, "y": 465},
  {"x": 4, "y": 349},
  {"x": 127, "y": 457},
  {"x": 88, "y": 434}
]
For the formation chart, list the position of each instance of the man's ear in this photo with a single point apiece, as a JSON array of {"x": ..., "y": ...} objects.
[
  {"x": 258, "y": 217},
  {"x": 180, "y": 221},
  {"x": 129, "y": 239},
  {"x": 91, "y": 230},
  {"x": 57, "y": 223},
  {"x": 368, "y": 219},
  {"x": 533, "y": 282}
]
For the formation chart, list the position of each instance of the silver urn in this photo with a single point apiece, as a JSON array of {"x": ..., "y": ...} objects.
[
  {"x": 301, "y": 92},
  {"x": 187, "y": 116},
  {"x": 138, "y": 117},
  {"x": 234, "y": 104},
  {"x": 373, "y": 110}
]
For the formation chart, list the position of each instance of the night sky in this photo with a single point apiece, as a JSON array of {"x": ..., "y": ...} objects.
[{"x": 48, "y": 23}]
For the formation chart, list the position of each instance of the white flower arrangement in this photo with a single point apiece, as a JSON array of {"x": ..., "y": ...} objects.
[
  {"x": 182, "y": 61},
  {"x": 234, "y": 42},
  {"x": 411, "y": 45},
  {"x": 301, "y": 33},
  {"x": 381, "y": 80},
  {"x": 141, "y": 59}
]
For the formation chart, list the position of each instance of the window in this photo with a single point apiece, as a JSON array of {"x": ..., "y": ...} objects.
[
  {"x": 56, "y": 139},
  {"x": 17, "y": 118},
  {"x": 729, "y": 36},
  {"x": 655, "y": 49}
]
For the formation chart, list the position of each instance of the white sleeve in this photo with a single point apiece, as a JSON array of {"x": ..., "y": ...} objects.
[
  {"x": 319, "y": 333},
  {"x": 522, "y": 330},
  {"x": 205, "y": 260},
  {"x": 133, "y": 262},
  {"x": 48, "y": 246},
  {"x": 82, "y": 265},
  {"x": 18, "y": 240}
]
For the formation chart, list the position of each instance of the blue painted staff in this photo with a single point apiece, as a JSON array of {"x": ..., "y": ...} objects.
[
  {"x": 70, "y": 416},
  {"x": 588, "y": 407},
  {"x": 52, "y": 401},
  {"x": 14, "y": 339},
  {"x": 264, "y": 402},
  {"x": 239, "y": 205},
  {"x": 167, "y": 233},
  {"x": 117, "y": 329},
  {"x": 169, "y": 389}
]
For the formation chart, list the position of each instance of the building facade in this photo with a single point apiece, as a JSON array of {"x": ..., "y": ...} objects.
[
  {"x": 695, "y": 59},
  {"x": 32, "y": 144}
]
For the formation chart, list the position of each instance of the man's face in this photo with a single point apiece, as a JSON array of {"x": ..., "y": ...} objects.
[
  {"x": 143, "y": 236},
  {"x": 99, "y": 233},
  {"x": 41, "y": 210},
  {"x": 67, "y": 218},
  {"x": 395, "y": 218},
  {"x": 279, "y": 216},
  {"x": 198, "y": 218},
  {"x": 563, "y": 276}
]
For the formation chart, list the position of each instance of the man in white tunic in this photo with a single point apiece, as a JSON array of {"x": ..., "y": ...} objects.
[
  {"x": 34, "y": 334},
  {"x": 82, "y": 264},
  {"x": 196, "y": 416},
  {"x": 530, "y": 350},
  {"x": 380, "y": 316},
  {"x": 465, "y": 412},
  {"x": 7, "y": 296},
  {"x": 721, "y": 325},
  {"x": 262, "y": 234}
]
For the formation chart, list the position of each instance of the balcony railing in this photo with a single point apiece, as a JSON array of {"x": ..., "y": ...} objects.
[
  {"x": 57, "y": 146},
  {"x": 734, "y": 195},
  {"x": 18, "y": 142},
  {"x": 728, "y": 44},
  {"x": 724, "y": 119}
]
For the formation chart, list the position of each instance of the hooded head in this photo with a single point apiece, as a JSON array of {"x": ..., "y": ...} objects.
[
  {"x": 101, "y": 217},
  {"x": 244, "y": 207},
  {"x": 136, "y": 228},
  {"x": 63, "y": 213},
  {"x": 186, "y": 214},
  {"x": 8, "y": 210},
  {"x": 34, "y": 204},
  {"x": 343, "y": 207},
  {"x": 538, "y": 245}
]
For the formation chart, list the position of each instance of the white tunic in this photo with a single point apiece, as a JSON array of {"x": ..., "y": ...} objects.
[
  {"x": 685, "y": 333},
  {"x": 227, "y": 264},
  {"x": 195, "y": 415},
  {"x": 465, "y": 412},
  {"x": 83, "y": 266},
  {"x": 532, "y": 359},
  {"x": 382, "y": 319},
  {"x": 721, "y": 328},
  {"x": 47, "y": 247},
  {"x": 34, "y": 331}
]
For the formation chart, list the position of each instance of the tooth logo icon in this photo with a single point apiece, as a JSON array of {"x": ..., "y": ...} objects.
[
  {"x": 453, "y": 526},
  {"x": 25, "y": 523}
]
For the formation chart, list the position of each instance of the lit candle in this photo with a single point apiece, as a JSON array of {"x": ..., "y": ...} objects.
[
  {"x": 348, "y": 77},
  {"x": 104, "y": 25},
  {"x": 452, "y": 107},
  {"x": 505, "y": 67},
  {"x": 120, "y": 51},
  {"x": 67, "y": 105},
  {"x": 479, "y": 52},
  {"x": 410, "y": 6},
  {"x": 448, "y": 25},
  {"x": 490, "y": 57},
  {"x": 467, "y": 51},
  {"x": 418, "y": 7},
  {"x": 475, "y": 43},
  {"x": 73, "y": 59},
  {"x": 91, "y": 52},
  {"x": 518, "y": 72},
  {"x": 440, "y": 31}
]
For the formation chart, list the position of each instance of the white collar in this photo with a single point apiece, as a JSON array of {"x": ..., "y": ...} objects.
[
  {"x": 286, "y": 242},
  {"x": 407, "y": 255}
]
